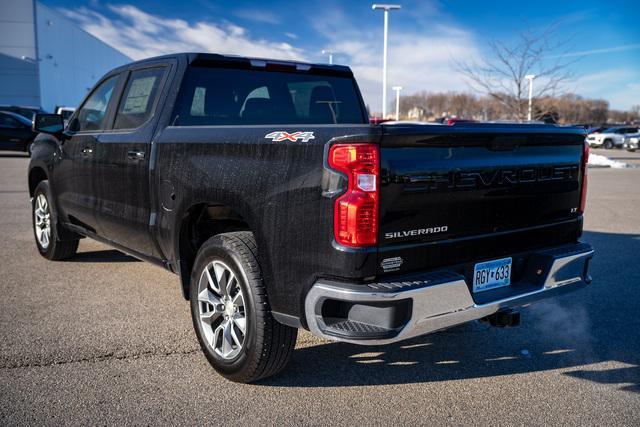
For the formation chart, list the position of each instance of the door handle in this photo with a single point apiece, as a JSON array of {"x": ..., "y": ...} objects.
[
  {"x": 135, "y": 155},
  {"x": 87, "y": 151}
]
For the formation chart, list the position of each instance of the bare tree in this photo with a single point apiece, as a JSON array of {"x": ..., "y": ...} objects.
[{"x": 501, "y": 75}]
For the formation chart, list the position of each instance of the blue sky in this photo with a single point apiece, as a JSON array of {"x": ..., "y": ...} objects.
[{"x": 425, "y": 36}]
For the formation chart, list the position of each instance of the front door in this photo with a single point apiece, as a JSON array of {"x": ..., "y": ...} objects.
[
  {"x": 75, "y": 171},
  {"x": 122, "y": 163}
]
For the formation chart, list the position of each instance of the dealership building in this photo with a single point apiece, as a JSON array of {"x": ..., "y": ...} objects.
[{"x": 46, "y": 60}]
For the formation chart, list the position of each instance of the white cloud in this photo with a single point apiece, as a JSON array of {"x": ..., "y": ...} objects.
[
  {"x": 258, "y": 15},
  {"x": 418, "y": 59},
  {"x": 139, "y": 34},
  {"x": 619, "y": 86},
  {"x": 610, "y": 49}
]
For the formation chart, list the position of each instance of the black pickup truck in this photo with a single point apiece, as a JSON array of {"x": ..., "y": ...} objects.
[{"x": 263, "y": 186}]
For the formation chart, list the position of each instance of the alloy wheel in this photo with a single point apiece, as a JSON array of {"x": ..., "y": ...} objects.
[
  {"x": 222, "y": 310},
  {"x": 42, "y": 216}
]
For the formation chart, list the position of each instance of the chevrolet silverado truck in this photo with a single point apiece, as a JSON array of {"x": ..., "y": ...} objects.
[{"x": 264, "y": 187}]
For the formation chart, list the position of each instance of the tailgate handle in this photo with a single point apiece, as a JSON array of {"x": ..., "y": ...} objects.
[{"x": 506, "y": 143}]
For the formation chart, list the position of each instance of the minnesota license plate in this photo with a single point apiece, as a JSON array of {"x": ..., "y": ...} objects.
[{"x": 492, "y": 274}]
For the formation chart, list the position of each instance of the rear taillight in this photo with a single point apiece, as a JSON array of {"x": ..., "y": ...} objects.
[
  {"x": 583, "y": 191},
  {"x": 355, "y": 216}
]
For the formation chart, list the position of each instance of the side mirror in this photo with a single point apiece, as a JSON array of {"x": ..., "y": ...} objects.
[{"x": 48, "y": 123}]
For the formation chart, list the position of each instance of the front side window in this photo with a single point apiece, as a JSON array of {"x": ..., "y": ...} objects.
[
  {"x": 138, "y": 99},
  {"x": 66, "y": 114},
  {"x": 92, "y": 115},
  {"x": 212, "y": 96}
]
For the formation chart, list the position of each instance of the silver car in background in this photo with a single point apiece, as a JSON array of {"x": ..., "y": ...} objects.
[
  {"x": 610, "y": 138},
  {"x": 631, "y": 141}
]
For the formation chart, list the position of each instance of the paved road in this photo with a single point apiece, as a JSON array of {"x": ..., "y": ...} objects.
[{"x": 106, "y": 339}]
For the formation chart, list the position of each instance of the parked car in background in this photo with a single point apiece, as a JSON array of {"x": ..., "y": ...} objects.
[
  {"x": 631, "y": 142},
  {"x": 611, "y": 138},
  {"x": 596, "y": 129},
  {"x": 66, "y": 113},
  {"x": 27, "y": 112},
  {"x": 453, "y": 120},
  {"x": 377, "y": 120},
  {"x": 15, "y": 132}
]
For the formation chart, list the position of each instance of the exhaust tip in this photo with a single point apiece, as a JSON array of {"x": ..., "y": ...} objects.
[{"x": 503, "y": 319}]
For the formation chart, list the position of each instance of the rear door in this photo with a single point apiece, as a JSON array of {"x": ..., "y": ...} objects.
[{"x": 122, "y": 161}]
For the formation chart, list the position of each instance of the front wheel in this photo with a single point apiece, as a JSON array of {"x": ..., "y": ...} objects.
[
  {"x": 608, "y": 144},
  {"x": 231, "y": 313},
  {"x": 46, "y": 229}
]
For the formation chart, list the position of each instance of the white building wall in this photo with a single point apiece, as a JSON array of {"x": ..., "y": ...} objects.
[
  {"x": 71, "y": 60},
  {"x": 19, "y": 84}
]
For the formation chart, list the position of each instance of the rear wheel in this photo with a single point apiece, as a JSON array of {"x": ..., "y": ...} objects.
[
  {"x": 45, "y": 229},
  {"x": 231, "y": 313},
  {"x": 608, "y": 144}
]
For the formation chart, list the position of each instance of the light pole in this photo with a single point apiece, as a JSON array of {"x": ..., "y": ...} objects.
[
  {"x": 386, "y": 8},
  {"x": 330, "y": 53},
  {"x": 530, "y": 77},
  {"x": 397, "y": 89}
]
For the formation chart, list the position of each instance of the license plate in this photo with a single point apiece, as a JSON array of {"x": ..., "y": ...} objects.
[{"x": 492, "y": 274}]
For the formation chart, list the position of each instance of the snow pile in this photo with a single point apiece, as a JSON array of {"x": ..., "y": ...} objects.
[{"x": 605, "y": 162}]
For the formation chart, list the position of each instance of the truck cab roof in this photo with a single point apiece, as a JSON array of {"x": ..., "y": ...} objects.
[{"x": 203, "y": 58}]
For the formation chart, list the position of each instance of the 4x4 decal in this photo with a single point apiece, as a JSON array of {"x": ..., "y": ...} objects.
[{"x": 293, "y": 136}]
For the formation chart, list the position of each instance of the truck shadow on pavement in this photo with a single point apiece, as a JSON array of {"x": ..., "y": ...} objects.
[
  {"x": 13, "y": 154},
  {"x": 593, "y": 335},
  {"x": 108, "y": 255}
]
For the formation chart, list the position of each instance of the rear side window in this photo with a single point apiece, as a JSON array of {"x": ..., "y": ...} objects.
[
  {"x": 138, "y": 98},
  {"x": 211, "y": 96}
]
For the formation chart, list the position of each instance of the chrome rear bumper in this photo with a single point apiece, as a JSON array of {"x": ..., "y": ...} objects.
[{"x": 437, "y": 300}]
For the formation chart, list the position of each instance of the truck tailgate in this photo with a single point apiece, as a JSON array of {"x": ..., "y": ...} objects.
[{"x": 451, "y": 194}]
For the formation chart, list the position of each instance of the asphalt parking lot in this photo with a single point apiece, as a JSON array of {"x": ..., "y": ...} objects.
[{"x": 106, "y": 339}]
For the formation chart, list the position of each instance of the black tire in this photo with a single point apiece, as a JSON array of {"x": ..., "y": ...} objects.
[
  {"x": 267, "y": 345},
  {"x": 608, "y": 144},
  {"x": 631, "y": 150},
  {"x": 57, "y": 249}
]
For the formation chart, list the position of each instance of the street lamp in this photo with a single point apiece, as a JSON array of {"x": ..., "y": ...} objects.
[
  {"x": 397, "y": 89},
  {"x": 29, "y": 59},
  {"x": 386, "y": 8},
  {"x": 330, "y": 53},
  {"x": 530, "y": 77}
]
